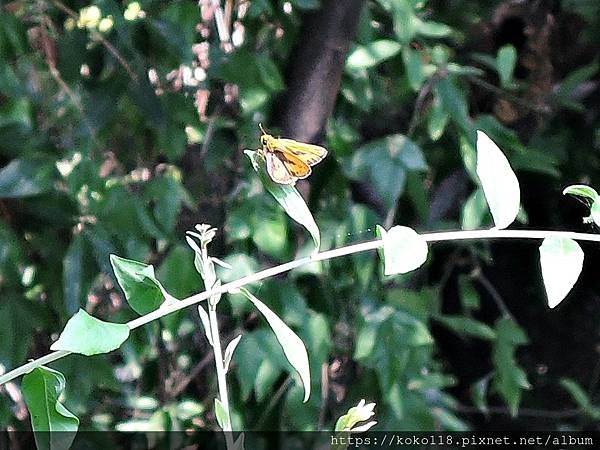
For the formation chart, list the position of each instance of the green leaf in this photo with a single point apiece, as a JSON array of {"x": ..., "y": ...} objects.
[
  {"x": 383, "y": 163},
  {"x": 581, "y": 190},
  {"x": 405, "y": 20},
  {"x": 580, "y": 397},
  {"x": 404, "y": 250},
  {"x": 229, "y": 351},
  {"x": 414, "y": 68},
  {"x": 270, "y": 74},
  {"x": 54, "y": 426},
  {"x": 509, "y": 378},
  {"x": 143, "y": 291},
  {"x": 561, "y": 260},
  {"x": 466, "y": 326},
  {"x": 499, "y": 182},
  {"x": 437, "y": 119},
  {"x": 595, "y": 212},
  {"x": 433, "y": 29},
  {"x": 577, "y": 77},
  {"x": 222, "y": 414},
  {"x": 506, "y": 61},
  {"x": 469, "y": 297},
  {"x": 474, "y": 211},
  {"x": 455, "y": 104},
  {"x": 288, "y": 197},
  {"x": 89, "y": 336},
  {"x": 25, "y": 178},
  {"x": 366, "y": 56},
  {"x": 292, "y": 345}
]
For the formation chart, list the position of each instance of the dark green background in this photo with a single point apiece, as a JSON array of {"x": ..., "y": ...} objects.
[{"x": 96, "y": 160}]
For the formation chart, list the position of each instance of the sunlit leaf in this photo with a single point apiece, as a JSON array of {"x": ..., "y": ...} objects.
[
  {"x": 205, "y": 323},
  {"x": 474, "y": 211},
  {"x": 499, "y": 182},
  {"x": 506, "y": 61},
  {"x": 561, "y": 260},
  {"x": 581, "y": 190},
  {"x": 143, "y": 291},
  {"x": 222, "y": 415},
  {"x": 229, "y": 351},
  {"x": 365, "y": 56},
  {"x": 404, "y": 250},
  {"x": 89, "y": 336}
]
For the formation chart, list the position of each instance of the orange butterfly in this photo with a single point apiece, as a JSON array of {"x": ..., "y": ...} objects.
[{"x": 289, "y": 160}]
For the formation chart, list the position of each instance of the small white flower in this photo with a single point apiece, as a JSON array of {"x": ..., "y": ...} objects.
[{"x": 359, "y": 413}]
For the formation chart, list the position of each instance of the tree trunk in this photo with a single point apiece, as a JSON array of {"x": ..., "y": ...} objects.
[{"x": 317, "y": 67}]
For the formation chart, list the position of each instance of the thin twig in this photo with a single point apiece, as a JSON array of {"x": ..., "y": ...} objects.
[
  {"x": 488, "y": 286},
  {"x": 423, "y": 92},
  {"x": 183, "y": 384},
  {"x": 274, "y": 400},
  {"x": 513, "y": 98},
  {"x": 234, "y": 286}
]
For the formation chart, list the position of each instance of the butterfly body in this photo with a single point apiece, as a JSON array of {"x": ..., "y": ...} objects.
[{"x": 289, "y": 160}]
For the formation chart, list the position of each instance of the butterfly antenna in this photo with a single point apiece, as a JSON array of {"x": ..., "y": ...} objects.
[{"x": 261, "y": 128}]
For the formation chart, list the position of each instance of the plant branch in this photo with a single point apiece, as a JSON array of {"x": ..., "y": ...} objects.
[
  {"x": 342, "y": 251},
  {"x": 221, "y": 375}
]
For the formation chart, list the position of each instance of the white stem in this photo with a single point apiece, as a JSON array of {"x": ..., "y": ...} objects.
[
  {"x": 221, "y": 376},
  {"x": 26, "y": 368},
  {"x": 342, "y": 251}
]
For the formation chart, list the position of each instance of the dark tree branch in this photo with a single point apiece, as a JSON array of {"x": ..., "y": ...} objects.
[{"x": 317, "y": 68}]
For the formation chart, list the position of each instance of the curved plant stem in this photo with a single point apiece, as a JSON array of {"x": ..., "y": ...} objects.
[{"x": 342, "y": 251}]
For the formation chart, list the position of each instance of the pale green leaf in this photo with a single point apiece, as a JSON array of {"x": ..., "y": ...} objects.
[
  {"x": 595, "y": 212},
  {"x": 506, "y": 61},
  {"x": 292, "y": 345},
  {"x": 90, "y": 336},
  {"x": 561, "y": 260},
  {"x": 229, "y": 351},
  {"x": 499, "y": 182},
  {"x": 581, "y": 190},
  {"x": 221, "y": 414},
  {"x": 366, "y": 56}
]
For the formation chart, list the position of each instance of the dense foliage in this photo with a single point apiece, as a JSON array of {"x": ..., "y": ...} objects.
[{"x": 123, "y": 124}]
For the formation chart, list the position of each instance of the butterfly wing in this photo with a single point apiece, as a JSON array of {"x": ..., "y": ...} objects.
[
  {"x": 308, "y": 153},
  {"x": 277, "y": 170},
  {"x": 294, "y": 165}
]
